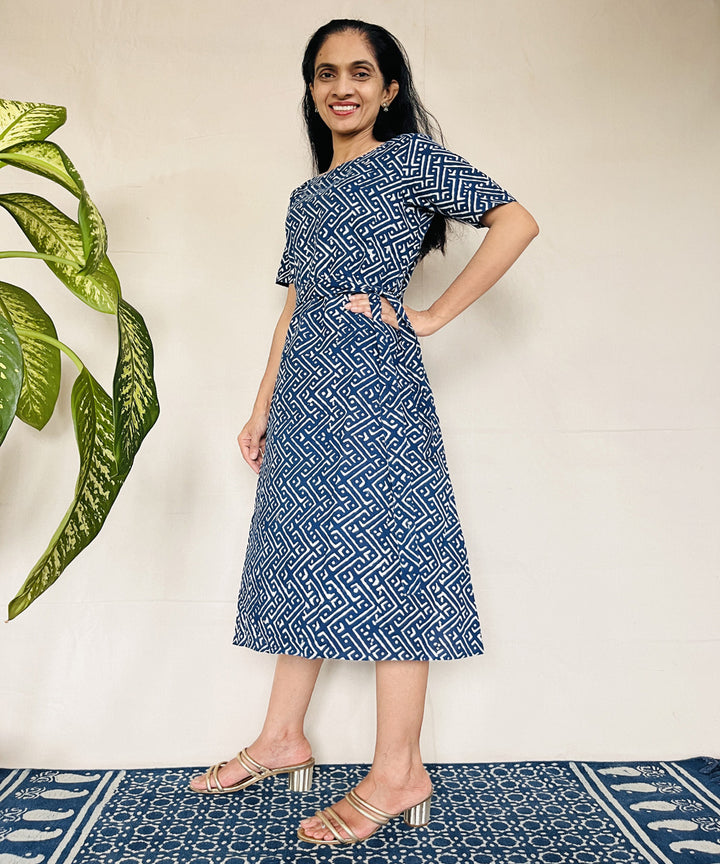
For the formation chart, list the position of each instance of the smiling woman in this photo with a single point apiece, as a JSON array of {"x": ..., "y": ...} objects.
[
  {"x": 349, "y": 90},
  {"x": 355, "y": 549}
]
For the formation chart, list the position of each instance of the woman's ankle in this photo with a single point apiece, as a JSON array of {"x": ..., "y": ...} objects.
[
  {"x": 399, "y": 773},
  {"x": 282, "y": 740}
]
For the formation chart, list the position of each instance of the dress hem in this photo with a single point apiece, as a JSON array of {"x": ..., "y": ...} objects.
[{"x": 338, "y": 656}]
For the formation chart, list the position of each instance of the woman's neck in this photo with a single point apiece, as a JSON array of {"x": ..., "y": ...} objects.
[{"x": 348, "y": 147}]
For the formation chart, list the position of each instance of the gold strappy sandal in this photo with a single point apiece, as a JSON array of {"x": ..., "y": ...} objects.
[
  {"x": 299, "y": 776},
  {"x": 415, "y": 816}
]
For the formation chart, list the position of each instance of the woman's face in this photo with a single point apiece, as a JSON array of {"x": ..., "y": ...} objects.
[{"x": 348, "y": 87}]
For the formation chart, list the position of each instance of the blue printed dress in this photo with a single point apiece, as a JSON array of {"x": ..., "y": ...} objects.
[{"x": 355, "y": 549}]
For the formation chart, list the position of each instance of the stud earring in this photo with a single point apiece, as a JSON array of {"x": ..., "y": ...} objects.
[
  {"x": 317, "y": 110},
  {"x": 384, "y": 106}
]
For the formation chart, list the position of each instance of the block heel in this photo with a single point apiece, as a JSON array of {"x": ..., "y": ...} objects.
[
  {"x": 300, "y": 779},
  {"x": 418, "y": 815}
]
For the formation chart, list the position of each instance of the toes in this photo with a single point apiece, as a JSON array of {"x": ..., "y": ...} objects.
[
  {"x": 315, "y": 829},
  {"x": 310, "y": 822}
]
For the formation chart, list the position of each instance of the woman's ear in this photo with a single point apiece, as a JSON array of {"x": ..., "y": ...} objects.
[{"x": 391, "y": 91}]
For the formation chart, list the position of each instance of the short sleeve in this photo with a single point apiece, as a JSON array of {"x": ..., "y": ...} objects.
[
  {"x": 439, "y": 181},
  {"x": 286, "y": 270}
]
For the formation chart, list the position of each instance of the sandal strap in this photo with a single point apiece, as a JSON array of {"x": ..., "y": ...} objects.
[
  {"x": 254, "y": 769},
  {"x": 352, "y": 836},
  {"x": 212, "y": 772},
  {"x": 306, "y": 764},
  {"x": 374, "y": 814}
]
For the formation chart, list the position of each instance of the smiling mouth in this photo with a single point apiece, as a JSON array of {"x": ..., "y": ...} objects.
[{"x": 343, "y": 109}]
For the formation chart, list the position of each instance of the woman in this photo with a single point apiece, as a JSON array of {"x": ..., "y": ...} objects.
[{"x": 355, "y": 547}]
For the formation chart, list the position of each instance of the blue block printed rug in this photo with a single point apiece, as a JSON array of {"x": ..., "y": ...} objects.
[{"x": 509, "y": 813}]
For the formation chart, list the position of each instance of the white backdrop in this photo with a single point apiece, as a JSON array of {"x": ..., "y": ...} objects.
[{"x": 578, "y": 399}]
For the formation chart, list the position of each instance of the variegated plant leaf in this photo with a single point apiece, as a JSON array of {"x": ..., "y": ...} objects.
[
  {"x": 95, "y": 493},
  {"x": 49, "y": 160},
  {"x": 41, "y": 379},
  {"x": 94, "y": 234},
  {"x": 135, "y": 401},
  {"x": 92, "y": 225},
  {"x": 11, "y": 375},
  {"x": 43, "y": 158},
  {"x": 52, "y": 232},
  {"x": 28, "y": 121}
]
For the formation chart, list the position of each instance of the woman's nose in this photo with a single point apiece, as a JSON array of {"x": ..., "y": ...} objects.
[{"x": 343, "y": 86}]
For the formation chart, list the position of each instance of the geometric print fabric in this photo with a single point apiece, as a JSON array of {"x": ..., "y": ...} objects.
[{"x": 355, "y": 548}]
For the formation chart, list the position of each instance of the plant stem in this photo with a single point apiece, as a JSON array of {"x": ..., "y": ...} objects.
[
  {"x": 42, "y": 337},
  {"x": 53, "y": 259}
]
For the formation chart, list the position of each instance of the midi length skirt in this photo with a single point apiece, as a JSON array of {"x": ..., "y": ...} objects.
[{"x": 355, "y": 549}]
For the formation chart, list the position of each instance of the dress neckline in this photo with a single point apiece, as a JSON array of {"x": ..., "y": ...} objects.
[{"x": 380, "y": 146}]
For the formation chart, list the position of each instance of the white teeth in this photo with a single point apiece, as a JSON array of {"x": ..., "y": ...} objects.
[{"x": 343, "y": 109}]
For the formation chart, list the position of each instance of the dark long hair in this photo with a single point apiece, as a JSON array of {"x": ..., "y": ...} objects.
[{"x": 406, "y": 112}]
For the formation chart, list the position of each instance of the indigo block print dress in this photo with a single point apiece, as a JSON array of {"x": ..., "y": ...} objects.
[{"x": 355, "y": 548}]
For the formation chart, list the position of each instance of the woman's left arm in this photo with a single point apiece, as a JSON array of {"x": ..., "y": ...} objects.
[{"x": 510, "y": 230}]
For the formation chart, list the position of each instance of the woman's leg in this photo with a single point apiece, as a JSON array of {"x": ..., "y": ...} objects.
[
  {"x": 282, "y": 740},
  {"x": 397, "y": 778}
]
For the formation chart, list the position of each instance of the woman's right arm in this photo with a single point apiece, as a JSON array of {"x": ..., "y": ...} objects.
[{"x": 252, "y": 437}]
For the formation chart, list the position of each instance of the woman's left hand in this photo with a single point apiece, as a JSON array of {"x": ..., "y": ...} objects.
[
  {"x": 421, "y": 320},
  {"x": 360, "y": 303}
]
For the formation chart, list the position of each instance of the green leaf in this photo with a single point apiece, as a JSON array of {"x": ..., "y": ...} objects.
[
  {"x": 49, "y": 160},
  {"x": 94, "y": 235},
  {"x": 28, "y": 121},
  {"x": 95, "y": 493},
  {"x": 11, "y": 375},
  {"x": 135, "y": 401},
  {"x": 92, "y": 226},
  {"x": 41, "y": 381},
  {"x": 44, "y": 158},
  {"x": 53, "y": 233}
]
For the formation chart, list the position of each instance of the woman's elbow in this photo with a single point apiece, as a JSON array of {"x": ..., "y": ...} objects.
[
  {"x": 530, "y": 226},
  {"x": 515, "y": 217}
]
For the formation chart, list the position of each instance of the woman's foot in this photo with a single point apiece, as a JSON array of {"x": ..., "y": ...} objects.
[
  {"x": 392, "y": 793},
  {"x": 269, "y": 752}
]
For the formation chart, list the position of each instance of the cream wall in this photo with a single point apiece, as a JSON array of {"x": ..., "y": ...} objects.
[{"x": 579, "y": 399}]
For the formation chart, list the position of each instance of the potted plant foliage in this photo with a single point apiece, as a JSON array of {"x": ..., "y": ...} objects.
[{"x": 109, "y": 429}]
